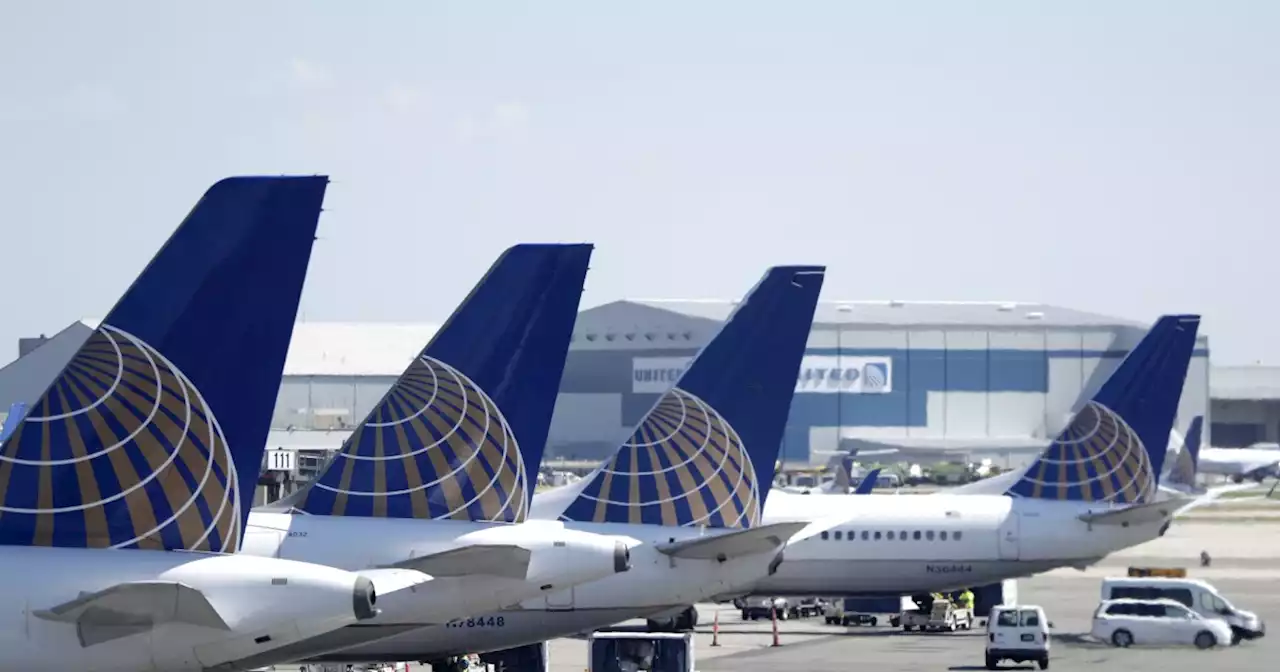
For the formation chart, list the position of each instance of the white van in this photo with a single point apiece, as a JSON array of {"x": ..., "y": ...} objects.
[
  {"x": 1199, "y": 596},
  {"x": 1019, "y": 634},
  {"x": 1126, "y": 622}
]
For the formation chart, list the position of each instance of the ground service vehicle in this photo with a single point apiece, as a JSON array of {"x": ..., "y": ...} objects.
[
  {"x": 1019, "y": 634},
  {"x": 945, "y": 615},
  {"x": 1126, "y": 622},
  {"x": 1199, "y": 596},
  {"x": 633, "y": 651}
]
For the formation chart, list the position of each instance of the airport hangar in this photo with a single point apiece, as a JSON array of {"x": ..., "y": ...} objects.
[{"x": 968, "y": 379}]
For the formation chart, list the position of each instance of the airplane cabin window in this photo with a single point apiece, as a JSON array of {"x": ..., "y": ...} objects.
[
  {"x": 956, "y": 535},
  {"x": 942, "y": 535},
  {"x": 928, "y": 535},
  {"x": 889, "y": 535},
  {"x": 865, "y": 534},
  {"x": 916, "y": 535},
  {"x": 824, "y": 535},
  {"x": 852, "y": 535},
  {"x": 902, "y": 535},
  {"x": 877, "y": 535},
  {"x": 837, "y": 535}
]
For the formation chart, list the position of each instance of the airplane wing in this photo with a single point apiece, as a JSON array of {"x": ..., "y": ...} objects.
[
  {"x": 734, "y": 544},
  {"x": 504, "y": 560},
  {"x": 130, "y": 608}
]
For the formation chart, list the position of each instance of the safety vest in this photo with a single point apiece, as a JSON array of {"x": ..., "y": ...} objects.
[{"x": 966, "y": 599}]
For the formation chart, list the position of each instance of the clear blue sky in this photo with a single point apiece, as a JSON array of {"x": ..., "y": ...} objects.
[{"x": 1114, "y": 157}]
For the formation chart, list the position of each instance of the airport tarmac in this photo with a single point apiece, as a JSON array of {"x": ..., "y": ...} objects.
[{"x": 1244, "y": 567}]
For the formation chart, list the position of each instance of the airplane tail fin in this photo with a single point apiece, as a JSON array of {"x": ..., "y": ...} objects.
[
  {"x": 458, "y": 434},
  {"x": 868, "y": 482},
  {"x": 17, "y": 411},
  {"x": 844, "y": 475},
  {"x": 1114, "y": 447},
  {"x": 705, "y": 453},
  {"x": 152, "y": 436},
  {"x": 1183, "y": 473}
]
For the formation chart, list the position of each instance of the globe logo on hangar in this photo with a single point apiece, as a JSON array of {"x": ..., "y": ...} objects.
[{"x": 875, "y": 376}]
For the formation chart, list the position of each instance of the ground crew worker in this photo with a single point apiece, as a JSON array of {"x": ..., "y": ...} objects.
[{"x": 966, "y": 599}]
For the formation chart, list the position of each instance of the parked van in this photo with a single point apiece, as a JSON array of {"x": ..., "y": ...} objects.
[
  {"x": 1019, "y": 634},
  {"x": 1199, "y": 596},
  {"x": 1126, "y": 622}
]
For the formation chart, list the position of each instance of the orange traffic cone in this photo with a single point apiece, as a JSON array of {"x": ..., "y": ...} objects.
[
  {"x": 773, "y": 611},
  {"x": 715, "y": 630}
]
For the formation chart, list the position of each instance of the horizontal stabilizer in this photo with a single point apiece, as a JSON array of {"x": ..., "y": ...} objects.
[
  {"x": 502, "y": 560},
  {"x": 1138, "y": 514},
  {"x": 734, "y": 544},
  {"x": 130, "y": 608}
]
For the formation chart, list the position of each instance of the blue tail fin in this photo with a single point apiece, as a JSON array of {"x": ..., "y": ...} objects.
[
  {"x": 458, "y": 433},
  {"x": 1184, "y": 468},
  {"x": 1115, "y": 446},
  {"x": 17, "y": 411},
  {"x": 868, "y": 483},
  {"x": 705, "y": 453},
  {"x": 152, "y": 436}
]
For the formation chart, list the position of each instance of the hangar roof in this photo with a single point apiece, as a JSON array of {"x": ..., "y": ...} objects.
[
  {"x": 1245, "y": 383},
  {"x": 1008, "y": 314}
]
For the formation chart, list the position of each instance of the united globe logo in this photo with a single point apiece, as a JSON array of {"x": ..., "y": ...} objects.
[{"x": 875, "y": 376}]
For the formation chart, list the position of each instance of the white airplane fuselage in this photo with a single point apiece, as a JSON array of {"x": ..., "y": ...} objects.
[
  {"x": 951, "y": 541},
  {"x": 656, "y": 583},
  {"x": 265, "y": 602},
  {"x": 1237, "y": 462},
  {"x": 559, "y": 558}
]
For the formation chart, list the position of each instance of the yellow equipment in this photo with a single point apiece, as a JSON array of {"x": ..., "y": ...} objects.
[{"x": 1166, "y": 572}]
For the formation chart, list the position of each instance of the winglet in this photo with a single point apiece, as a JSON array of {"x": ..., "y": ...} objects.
[
  {"x": 868, "y": 482},
  {"x": 705, "y": 453}
]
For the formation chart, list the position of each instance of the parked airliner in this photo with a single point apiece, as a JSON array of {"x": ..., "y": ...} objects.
[
  {"x": 1257, "y": 462},
  {"x": 1182, "y": 476},
  {"x": 124, "y": 486},
  {"x": 1092, "y": 492},
  {"x": 687, "y": 488},
  {"x": 436, "y": 477}
]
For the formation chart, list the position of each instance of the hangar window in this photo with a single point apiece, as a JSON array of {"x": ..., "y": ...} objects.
[
  {"x": 838, "y": 535},
  {"x": 942, "y": 535},
  {"x": 916, "y": 535},
  {"x": 928, "y": 535},
  {"x": 956, "y": 535},
  {"x": 825, "y": 535},
  {"x": 889, "y": 535}
]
